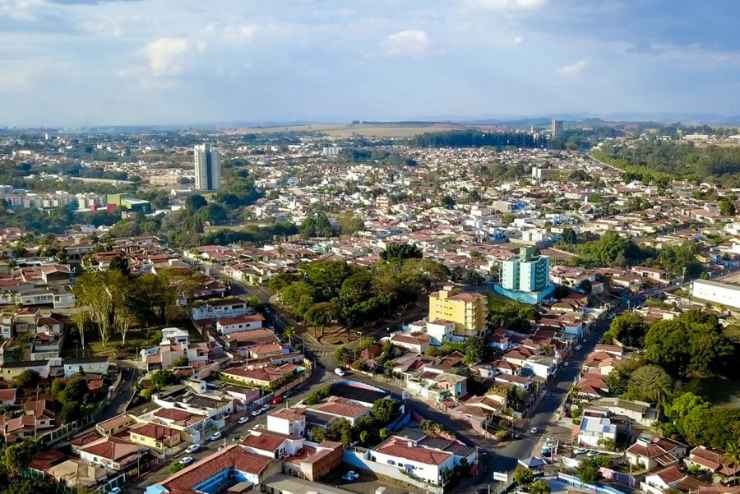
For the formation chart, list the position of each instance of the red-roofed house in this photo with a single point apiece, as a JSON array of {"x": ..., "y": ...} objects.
[
  {"x": 272, "y": 444},
  {"x": 245, "y": 322},
  {"x": 417, "y": 461}
]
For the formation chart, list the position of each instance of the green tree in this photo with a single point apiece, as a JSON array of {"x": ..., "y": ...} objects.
[
  {"x": 350, "y": 223},
  {"x": 650, "y": 383},
  {"x": 588, "y": 471},
  {"x": 344, "y": 355},
  {"x": 384, "y": 410},
  {"x": 539, "y": 487},
  {"x": 17, "y": 457},
  {"x": 27, "y": 379},
  {"x": 523, "y": 476},
  {"x": 629, "y": 329},
  {"x": 401, "y": 251},
  {"x": 726, "y": 207}
]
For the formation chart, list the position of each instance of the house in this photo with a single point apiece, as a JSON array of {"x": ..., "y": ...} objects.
[
  {"x": 246, "y": 322},
  {"x": 112, "y": 453},
  {"x": 220, "y": 309},
  {"x": 175, "y": 335},
  {"x": 340, "y": 408},
  {"x": 649, "y": 453},
  {"x": 160, "y": 438},
  {"x": 90, "y": 365},
  {"x": 287, "y": 421},
  {"x": 422, "y": 463},
  {"x": 269, "y": 376},
  {"x": 8, "y": 396},
  {"x": 638, "y": 411},
  {"x": 78, "y": 474},
  {"x": 314, "y": 461},
  {"x": 217, "y": 472},
  {"x": 711, "y": 461},
  {"x": 414, "y": 342},
  {"x": 11, "y": 370},
  {"x": 596, "y": 432},
  {"x": 272, "y": 444},
  {"x": 670, "y": 479},
  {"x": 541, "y": 366}
]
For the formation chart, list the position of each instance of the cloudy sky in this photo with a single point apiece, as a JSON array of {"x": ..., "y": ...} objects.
[{"x": 89, "y": 62}]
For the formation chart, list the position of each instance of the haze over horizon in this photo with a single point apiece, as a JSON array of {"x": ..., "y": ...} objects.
[{"x": 138, "y": 62}]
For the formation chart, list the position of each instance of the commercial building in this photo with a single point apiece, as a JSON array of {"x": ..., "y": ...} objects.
[
  {"x": 716, "y": 292},
  {"x": 556, "y": 128},
  {"x": 466, "y": 310},
  {"x": 207, "y": 168}
]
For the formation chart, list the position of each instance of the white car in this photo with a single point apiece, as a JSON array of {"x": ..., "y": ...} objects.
[
  {"x": 243, "y": 420},
  {"x": 533, "y": 430},
  {"x": 186, "y": 461},
  {"x": 115, "y": 490},
  {"x": 255, "y": 412},
  {"x": 351, "y": 476},
  {"x": 215, "y": 436},
  {"x": 264, "y": 408},
  {"x": 192, "y": 448},
  {"x": 340, "y": 372}
]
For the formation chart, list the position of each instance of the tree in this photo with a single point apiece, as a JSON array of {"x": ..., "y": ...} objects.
[
  {"x": 401, "y": 251},
  {"x": 726, "y": 207},
  {"x": 364, "y": 436},
  {"x": 384, "y": 410},
  {"x": 569, "y": 236},
  {"x": 588, "y": 471},
  {"x": 289, "y": 332},
  {"x": 539, "y": 487},
  {"x": 650, "y": 383},
  {"x": 344, "y": 355},
  {"x": 321, "y": 315},
  {"x": 316, "y": 224},
  {"x": 195, "y": 203},
  {"x": 523, "y": 475},
  {"x": 17, "y": 457},
  {"x": 27, "y": 379},
  {"x": 350, "y": 223},
  {"x": 629, "y": 329}
]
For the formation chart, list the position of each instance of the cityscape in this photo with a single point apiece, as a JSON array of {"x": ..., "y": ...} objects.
[{"x": 286, "y": 290}]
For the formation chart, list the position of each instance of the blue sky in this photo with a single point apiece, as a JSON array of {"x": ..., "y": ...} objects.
[{"x": 94, "y": 62}]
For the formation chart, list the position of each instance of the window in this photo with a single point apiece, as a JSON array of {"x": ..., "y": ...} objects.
[{"x": 391, "y": 462}]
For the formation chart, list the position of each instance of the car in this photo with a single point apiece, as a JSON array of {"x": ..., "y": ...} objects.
[
  {"x": 192, "y": 448},
  {"x": 340, "y": 372},
  {"x": 264, "y": 408},
  {"x": 277, "y": 400},
  {"x": 565, "y": 364},
  {"x": 533, "y": 430},
  {"x": 186, "y": 460},
  {"x": 115, "y": 490},
  {"x": 255, "y": 412},
  {"x": 351, "y": 476},
  {"x": 578, "y": 451},
  {"x": 578, "y": 348},
  {"x": 215, "y": 436},
  {"x": 243, "y": 420}
]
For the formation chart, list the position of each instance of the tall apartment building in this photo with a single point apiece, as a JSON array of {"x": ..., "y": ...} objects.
[
  {"x": 467, "y": 310},
  {"x": 556, "y": 128},
  {"x": 207, "y": 168},
  {"x": 526, "y": 272}
]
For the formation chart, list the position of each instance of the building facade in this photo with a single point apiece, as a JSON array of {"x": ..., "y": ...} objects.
[
  {"x": 466, "y": 310},
  {"x": 207, "y": 168}
]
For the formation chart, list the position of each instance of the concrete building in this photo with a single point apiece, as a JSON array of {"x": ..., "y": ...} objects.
[
  {"x": 466, "y": 310},
  {"x": 716, "y": 292},
  {"x": 526, "y": 277},
  {"x": 207, "y": 168},
  {"x": 556, "y": 128}
]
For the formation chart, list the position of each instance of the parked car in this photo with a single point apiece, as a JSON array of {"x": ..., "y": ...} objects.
[
  {"x": 186, "y": 460},
  {"x": 533, "y": 430},
  {"x": 340, "y": 372},
  {"x": 115, "y": 490},
  {"x": 255, "y": 412},
  {"x": 264, "y": 408},
  {"x": 351, "y": 476},
  {"x": 243, "y": 420},
  {"x": 192, "y": 448},
  {"x": 277, "y": 400},
  {"x": 215, "y": 436}
]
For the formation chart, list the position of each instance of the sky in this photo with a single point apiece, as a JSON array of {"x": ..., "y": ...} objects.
[{"x": 137, "y": 62}]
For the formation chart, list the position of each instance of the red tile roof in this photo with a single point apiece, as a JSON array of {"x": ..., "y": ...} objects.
[
  {"x": 264, "y": 440},
  {"x": 233, "y": 456},
  {"x": 405, "y": 449}
]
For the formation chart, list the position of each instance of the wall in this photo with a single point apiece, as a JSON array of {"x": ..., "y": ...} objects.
[{"x": 356, "y": 459}]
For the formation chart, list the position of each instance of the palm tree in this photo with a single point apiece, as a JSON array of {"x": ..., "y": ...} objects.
[
  {"x": 732, "y": 453},
  {"x": 289, "y": 333}
]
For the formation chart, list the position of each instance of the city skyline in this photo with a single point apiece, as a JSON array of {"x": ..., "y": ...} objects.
[{"x": 100, "y": 62}]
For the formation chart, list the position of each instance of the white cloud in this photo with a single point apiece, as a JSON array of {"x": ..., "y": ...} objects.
[
  {"x": 518, "y": 40},
  {"x": 410, "y": 42},
  {"x": 168, "y": 56},
  {"x": 243, "y": 33},
  {"x": 573, "y": 70},
  {"x": 510, "y": 4}
]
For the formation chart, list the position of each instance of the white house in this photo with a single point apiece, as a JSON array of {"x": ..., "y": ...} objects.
[
  {"x": 422, "y": 463},
  {"x": 541, "y": 365},
  {"x": 594, "y": 431},
  {"x": 246, "y": 322},
  {"x": 91, "y": 365},
  {"x": 175, "y": 335},
  {"x": 288, "y": 421},
  {"x": 220, "y": 308}
]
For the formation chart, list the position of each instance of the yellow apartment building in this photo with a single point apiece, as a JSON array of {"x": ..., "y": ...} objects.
[{"x": 467, "y": 310}]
